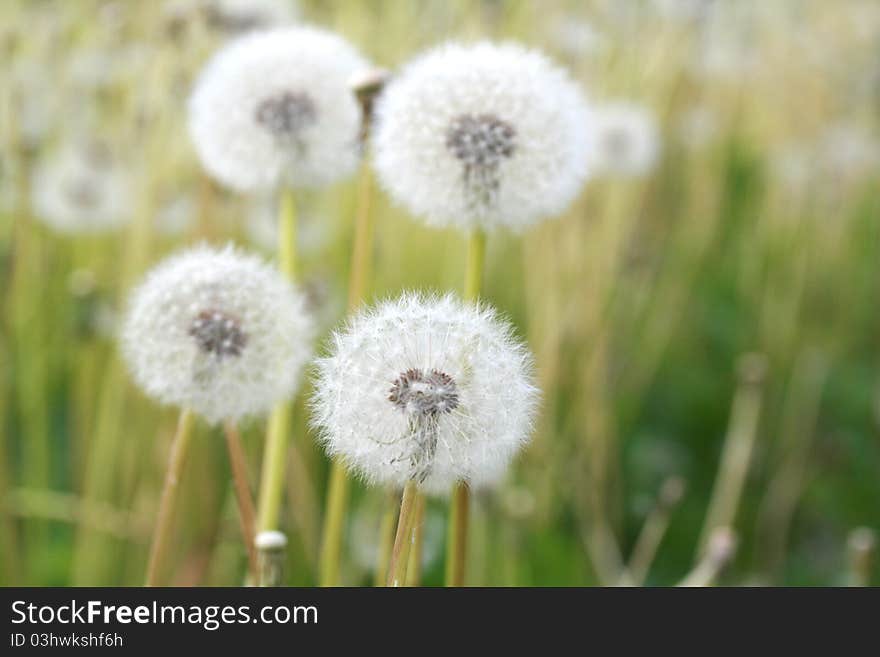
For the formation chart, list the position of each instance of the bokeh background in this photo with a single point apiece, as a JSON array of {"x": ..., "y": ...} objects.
[{"x": 705, "y": 332}]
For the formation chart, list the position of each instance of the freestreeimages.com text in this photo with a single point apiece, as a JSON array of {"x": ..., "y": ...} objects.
[{"x": 210, "y": 617}]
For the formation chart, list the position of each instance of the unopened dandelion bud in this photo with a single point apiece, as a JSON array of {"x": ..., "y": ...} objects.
[
  {"x": 862, "y": 547},
  {"x": 271, "y": 553}
]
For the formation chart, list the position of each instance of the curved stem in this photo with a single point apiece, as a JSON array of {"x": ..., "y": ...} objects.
[{"x": 179, "y": 449}]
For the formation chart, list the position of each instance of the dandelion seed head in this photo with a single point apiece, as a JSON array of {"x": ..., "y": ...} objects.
[
  {"x": 82, "y": 189},
  {"x": 482, "y": 136},
  {"x": 626, "y": 140},
  {"x": 425, "y": 388},
  {"x": 274, "y": 108},
  {"x": 217, "y": 331}
]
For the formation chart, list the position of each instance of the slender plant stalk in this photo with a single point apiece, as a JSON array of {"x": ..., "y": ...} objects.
[
  {"x": 653, "y": 531},
  {"x": 403, "y": 537},
  {"x": 720, "y": 549},
  {"x": 476, "y": 257},
  {"x": 334, "y": 519},
  {"x": 240, "y": 480},
  {"x": 414, "y": 570},
  {"x": 179, "y": 449},
  {"x": 386, "y": 538},
  {"x": 275, "y": 452},
  {"x": 862, "y": 549},
  {"x": 456, "y": 543},
  {"x": 737, "y": 451},
  {"x": 338, "y": 487}
]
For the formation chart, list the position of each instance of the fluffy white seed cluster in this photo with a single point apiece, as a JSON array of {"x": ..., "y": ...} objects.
[
  {"x": 274, "y": 108},
  {"x": 82, "y": 189},
  {"x": 482, "y": 136},
  {"x": 217, "y": 331},
  {"x": 626, "y": 140},
  {"x": 425, "y": 388}
]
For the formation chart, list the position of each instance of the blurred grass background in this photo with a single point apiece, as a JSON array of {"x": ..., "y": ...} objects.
[{"x": 727, "y": 298}]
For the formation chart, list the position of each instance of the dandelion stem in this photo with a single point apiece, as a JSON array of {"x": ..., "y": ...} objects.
[
  {"x": 414, "y": 570},
  {"x": 275, "y": 452},
  {"x": 861, "y": 548},
  {"x": 362, "y": 250},
  {"x": 476, "y": 257},
  {"x": 331, "y": 540},
  {"x": 456, "y": 544},
  {"x": 386, "y": 538},
  {"x": 337, "y": 492},
  {"x": 287, "y": 233},
  {"x": 246, "y": 514},
  {"x": 179, "y": 449},
  {"x": 653, "y": 531},
  {"x": 403, "y": 537},
  {"x": 272, "y": 476},
  {"x": 737, "y": 451}
]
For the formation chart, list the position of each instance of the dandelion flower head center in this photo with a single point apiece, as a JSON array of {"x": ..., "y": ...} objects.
[
  {"x": 82, "y": 193},
  {"x": 218, "y": 334},
  {"x": 424, "y": 393},
  {"x": 286, "y": 115},
  {"x": 481, "y": 142},
  {"x": 617, "y": 143}
]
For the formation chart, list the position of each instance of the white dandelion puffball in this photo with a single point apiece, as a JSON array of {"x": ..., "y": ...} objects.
[
  {"x": 82, "y": 189},
  {"x": 274, "y": 108},
  {"x": 626, "y": 140},
  {"x": 217, "y": 331},
  {"x": 425, "y": 388},
  {"x": 482, "y": 136}
]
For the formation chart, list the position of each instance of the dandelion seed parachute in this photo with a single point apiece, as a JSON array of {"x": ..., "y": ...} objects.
[
  {"x": 626, "y": 140},
  {"x": 482, "y": 136},
  {"x": 425, "y": 388},
  {"x": 274, "y": 108},
  {"x": 217, "y": 331},
  {"x": 82, "y": 189}
]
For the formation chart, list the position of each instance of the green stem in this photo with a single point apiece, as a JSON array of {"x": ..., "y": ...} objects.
[
  {"x": 359, "y": 276},
  {"x": 386, "y": 538},
  {"x": 414, "y": 570},
  {"x": 476, "y": 256},
  {"x": 456, "y": 543},
  {"x": 179, "y": 449},
  {"x": 331, "y": 540},
  {"x": 240, "y": 480},
  {"x": 275, "y": 453},
  {"x": 400, "y": 551}
]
